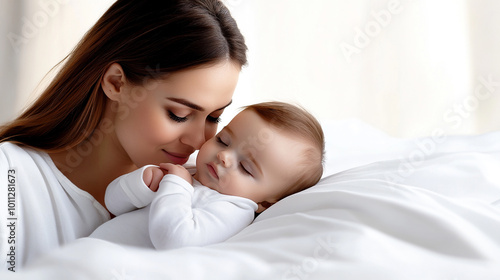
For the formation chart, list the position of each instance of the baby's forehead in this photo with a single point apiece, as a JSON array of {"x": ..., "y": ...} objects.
[{"x": 288, "y": 152}]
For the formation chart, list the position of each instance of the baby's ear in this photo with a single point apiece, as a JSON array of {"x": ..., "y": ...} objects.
[{"x": 264, "y": 205}]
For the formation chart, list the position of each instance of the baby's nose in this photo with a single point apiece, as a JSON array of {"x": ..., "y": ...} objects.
[{"x": 225, "y": 158}]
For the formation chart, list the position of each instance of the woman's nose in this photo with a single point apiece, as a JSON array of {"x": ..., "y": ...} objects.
[{"x": 194, "y": 138}]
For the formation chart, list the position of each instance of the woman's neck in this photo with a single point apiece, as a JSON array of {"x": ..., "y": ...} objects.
[{"x": 92, "y": 165}]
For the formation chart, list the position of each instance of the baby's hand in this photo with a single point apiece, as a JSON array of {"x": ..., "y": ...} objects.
[
  {"x": 178, "y": 170},
  {"x": 152, "y": 177}
]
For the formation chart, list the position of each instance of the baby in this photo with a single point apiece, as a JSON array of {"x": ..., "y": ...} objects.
[{"x": 267, "y": 152}]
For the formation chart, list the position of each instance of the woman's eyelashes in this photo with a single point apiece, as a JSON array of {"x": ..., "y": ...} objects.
[
  {"x": 179, "y": 119},
  {"x": 176, "y": 118},
  {"x": 213, "y": 119}
]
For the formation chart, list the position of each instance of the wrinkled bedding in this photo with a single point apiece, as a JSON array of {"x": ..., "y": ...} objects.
[{"x": 386, "y": 208}]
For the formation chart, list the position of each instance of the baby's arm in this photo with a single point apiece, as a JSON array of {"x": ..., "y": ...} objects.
[
  {"x": 174, "y": 222},
  {"x": 178, "y": 170},
  {"x": 136, "y": 189},
  {"x": 153, "y": 175},
  {"x": 129, "y": 192}
]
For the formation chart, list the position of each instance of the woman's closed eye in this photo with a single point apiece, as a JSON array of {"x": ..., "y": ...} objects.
[
  {"x": 215, "y": 120},
  {"x": 176, "y": 118},
  {"x": 179, "y": 119}
]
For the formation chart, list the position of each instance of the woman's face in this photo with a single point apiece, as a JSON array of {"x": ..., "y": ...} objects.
[{"x": 167, "y": 120}]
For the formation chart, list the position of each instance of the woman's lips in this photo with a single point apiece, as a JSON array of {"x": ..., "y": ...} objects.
[
  {"x": 177, "y": 158},
  {"x": 212, "y": 171}
]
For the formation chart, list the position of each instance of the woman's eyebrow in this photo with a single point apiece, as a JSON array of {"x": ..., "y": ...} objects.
[
  {"x": 186, "y": 103},
  {"x": 194, "y": 106}
]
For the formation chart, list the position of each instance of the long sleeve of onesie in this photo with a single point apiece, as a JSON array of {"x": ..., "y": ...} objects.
[
  {"x": 128, "y": 192},
  {"x": 183, "y": 215}
]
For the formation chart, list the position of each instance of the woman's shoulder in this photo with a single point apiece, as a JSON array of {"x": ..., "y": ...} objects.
[
  {"x": 9, "y": 148},
  {"x": 13, "y": 154}
]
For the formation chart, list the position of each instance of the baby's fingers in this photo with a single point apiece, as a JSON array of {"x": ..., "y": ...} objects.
[
  {"x": 178, "y": 170},
  {"x": 166, "y": 165},
  {"x": 171, "y": 168}
]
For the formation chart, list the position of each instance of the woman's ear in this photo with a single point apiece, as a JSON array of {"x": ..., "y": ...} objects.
[{"x": 113, "y": 81}]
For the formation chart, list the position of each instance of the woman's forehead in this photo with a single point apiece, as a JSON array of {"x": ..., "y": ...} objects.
[{"x": 209, "y": 88}]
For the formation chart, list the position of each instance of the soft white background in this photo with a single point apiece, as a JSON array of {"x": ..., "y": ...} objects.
[{"x": 407, "y": 67}]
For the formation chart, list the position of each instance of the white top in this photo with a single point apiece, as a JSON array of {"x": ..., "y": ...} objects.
[
  {"x": 179, "y": 215},
  {"x": 40, "y": 209}
]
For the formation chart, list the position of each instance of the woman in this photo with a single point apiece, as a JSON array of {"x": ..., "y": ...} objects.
[{"x": 147, "y": 84}]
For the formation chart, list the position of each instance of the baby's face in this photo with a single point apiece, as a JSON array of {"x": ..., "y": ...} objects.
[{"x": 249, "y": 158}]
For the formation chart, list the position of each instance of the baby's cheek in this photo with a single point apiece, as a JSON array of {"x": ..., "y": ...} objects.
[
  {"x": 225, "y": 183},
  {"x": 234, "y": 185}
]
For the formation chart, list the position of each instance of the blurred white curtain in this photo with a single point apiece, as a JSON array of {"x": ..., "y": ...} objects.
[
  {"x": 408, "y": 67},
  {"x": 36, "y": 35},
  {"x": 484, "y": 24},
  {"x": 9, "y": 12}
]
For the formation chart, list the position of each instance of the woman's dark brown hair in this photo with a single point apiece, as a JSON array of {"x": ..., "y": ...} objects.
[{"x": 149, "y": 39}]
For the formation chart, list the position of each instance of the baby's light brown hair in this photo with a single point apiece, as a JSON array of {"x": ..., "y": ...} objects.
[{"x": 300, "y": 123}]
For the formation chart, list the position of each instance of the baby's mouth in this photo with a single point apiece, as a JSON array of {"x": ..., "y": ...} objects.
[{"x": 212, "y": 170}]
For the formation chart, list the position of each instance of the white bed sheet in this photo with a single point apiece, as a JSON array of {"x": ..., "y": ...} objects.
[{"x": 386, "y": 209}]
